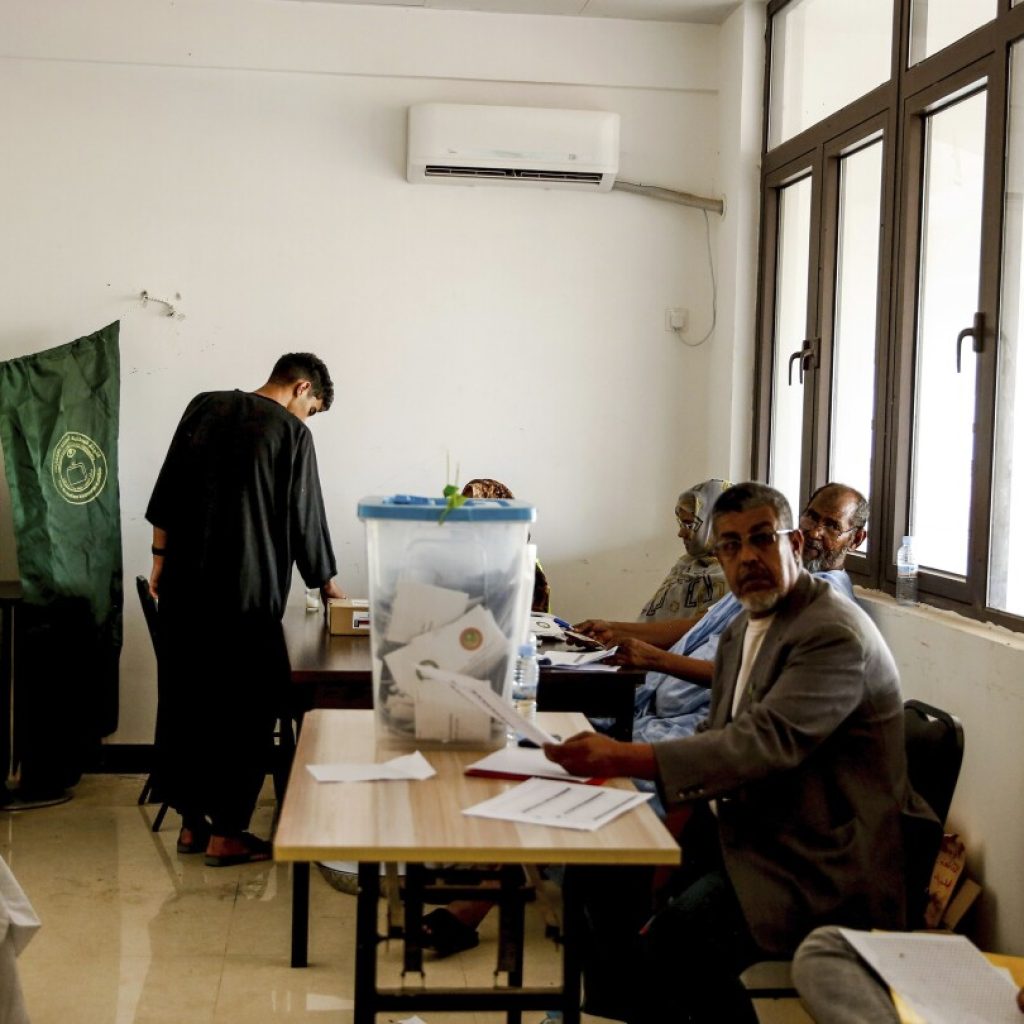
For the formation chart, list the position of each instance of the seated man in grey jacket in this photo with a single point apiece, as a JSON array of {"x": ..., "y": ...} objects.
[{"x": 797, "y": 781}]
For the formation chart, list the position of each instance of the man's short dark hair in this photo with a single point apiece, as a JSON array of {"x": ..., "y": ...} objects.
[
  {"x": 296, "y": 366},
  {"x": 742, "y": 497},
  {"x": 859, "y": 516}
]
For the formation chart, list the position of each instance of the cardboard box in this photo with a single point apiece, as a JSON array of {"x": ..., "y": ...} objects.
[{"x": 348, "y": 616}]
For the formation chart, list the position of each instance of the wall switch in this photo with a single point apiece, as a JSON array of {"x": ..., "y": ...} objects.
[{"x": 676, "y": 319}]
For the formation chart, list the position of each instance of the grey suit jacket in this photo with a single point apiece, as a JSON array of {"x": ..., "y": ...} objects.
[{"x": 810, "y": 776}]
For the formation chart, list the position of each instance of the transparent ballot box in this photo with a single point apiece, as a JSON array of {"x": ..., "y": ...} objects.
[{"x": 449, "y": 589}]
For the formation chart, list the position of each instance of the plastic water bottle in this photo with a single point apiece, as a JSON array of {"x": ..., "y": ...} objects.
[
  {"x": 524, "y": 679},
  {"x": 906, "y": 573}
]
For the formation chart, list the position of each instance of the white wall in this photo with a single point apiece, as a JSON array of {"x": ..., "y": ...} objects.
[
  {"x": 973, "y": 670},
  {"x": 250, "y": 156}
]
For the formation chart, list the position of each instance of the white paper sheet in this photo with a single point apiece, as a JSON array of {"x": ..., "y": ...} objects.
[
  {"x": 409, "y": 766},
  {"x": 523, "y": 761},
  {"x": 472, "y": 644},
  {"x": 576, "y": 659},
  {"x": 943, "y": 978},
  {"x": 421, "y": 608},
  {"x": 442, "y": 714},
  {"x": 559, "y": 804},
  {"x": 484, "y": 698}
]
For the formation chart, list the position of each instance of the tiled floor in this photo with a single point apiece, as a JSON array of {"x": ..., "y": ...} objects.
[{"x": 132, "y": 932}]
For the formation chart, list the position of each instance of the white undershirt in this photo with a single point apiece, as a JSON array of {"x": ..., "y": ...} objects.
[{"x": 753, "y": 637}]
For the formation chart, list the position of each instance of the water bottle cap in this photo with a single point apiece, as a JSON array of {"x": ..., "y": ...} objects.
[
  {"x": 908, "y": 540},
  {"x": 528, "y": 650}
]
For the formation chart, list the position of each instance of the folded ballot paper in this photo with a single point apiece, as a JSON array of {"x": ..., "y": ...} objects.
[
  {"x": 408, "y": 767},
  {"x": 435, "y": 627}
]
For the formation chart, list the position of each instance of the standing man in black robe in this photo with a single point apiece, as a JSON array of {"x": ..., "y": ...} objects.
[{"x": 236, "y": 505}]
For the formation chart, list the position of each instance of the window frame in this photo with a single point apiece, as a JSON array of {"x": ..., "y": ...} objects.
[{"x": 897, "y": 110}]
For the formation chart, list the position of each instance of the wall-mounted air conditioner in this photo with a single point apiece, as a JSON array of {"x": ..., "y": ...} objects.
[{"x": 461, "y": 144}]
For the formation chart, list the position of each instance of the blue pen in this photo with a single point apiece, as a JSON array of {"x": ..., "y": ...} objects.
[{"x": 562, "y": 622}]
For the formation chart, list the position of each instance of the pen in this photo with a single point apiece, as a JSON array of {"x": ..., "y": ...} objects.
[{"x": 562, "y": 622}]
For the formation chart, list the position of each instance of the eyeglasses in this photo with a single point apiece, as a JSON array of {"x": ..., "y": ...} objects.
[
  {"x": 693, "y": 525},
  {"x": 810, "y": 520},
  {"x": 761, "y": 541}
]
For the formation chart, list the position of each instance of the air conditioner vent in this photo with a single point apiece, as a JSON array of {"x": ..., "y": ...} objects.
[{"x": 441, "y": 171}]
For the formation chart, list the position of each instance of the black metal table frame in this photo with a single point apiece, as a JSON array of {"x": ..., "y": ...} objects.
[{"x": 512, "y": 1000}]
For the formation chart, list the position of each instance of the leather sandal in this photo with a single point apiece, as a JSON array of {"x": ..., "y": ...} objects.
[
  {"x": 256, "y": 849},
  {"x": 444, "y": 933},
  {"x": 193, "y": 839}
]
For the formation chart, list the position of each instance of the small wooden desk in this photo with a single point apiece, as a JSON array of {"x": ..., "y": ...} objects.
[
  {"x": 417, "y": 822},
  {"x": 327, "y": 671}
]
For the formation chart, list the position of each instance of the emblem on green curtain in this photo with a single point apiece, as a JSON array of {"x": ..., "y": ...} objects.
[{"x": 79, "y": 468}]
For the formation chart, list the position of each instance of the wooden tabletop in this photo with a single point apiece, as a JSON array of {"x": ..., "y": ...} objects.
[
  {"x": 423, "y": 821},
  {"x": 317, "y": 656}
]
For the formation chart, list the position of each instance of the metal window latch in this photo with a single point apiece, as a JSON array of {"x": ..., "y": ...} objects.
[
  {"x": 809, "y": 356},
  {"x": 976, "y": 332}
]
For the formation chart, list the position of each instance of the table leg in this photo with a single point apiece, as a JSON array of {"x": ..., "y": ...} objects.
[
  {"x": 572, "y": 940},
  {"x": 300, "y": 914},
  {"x": 366, "y": 943}
]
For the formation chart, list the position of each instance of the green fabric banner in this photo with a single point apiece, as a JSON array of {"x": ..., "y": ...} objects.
[{"x": 59, "y": 430}]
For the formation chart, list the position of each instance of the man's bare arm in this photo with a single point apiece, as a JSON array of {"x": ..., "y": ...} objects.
[
  {"x": 658, "y": 634},
  {"x": 159, "y": 546}
]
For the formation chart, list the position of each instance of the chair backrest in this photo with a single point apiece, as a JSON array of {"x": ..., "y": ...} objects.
[
  {"x": 935, "y": 751},
  {"x": 595, "y": 694},
  {"x": 149, "y": 609}
]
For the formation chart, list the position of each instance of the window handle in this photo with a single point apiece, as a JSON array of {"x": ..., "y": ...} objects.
[
  {"x": 808, "y": 357},
  {"x": 976, "y": 332}
]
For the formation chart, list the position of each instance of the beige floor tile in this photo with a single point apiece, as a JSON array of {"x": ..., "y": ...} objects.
[{"x": 133, "y": 933}]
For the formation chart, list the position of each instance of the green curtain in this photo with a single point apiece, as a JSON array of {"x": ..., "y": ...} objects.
[{"x": 59, "y": 430}]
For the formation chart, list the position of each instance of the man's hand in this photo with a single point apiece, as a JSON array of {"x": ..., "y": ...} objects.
[
  {"x": 154, "y": 575},
  {"x": 330, "y": 589},
  {"x": 636, "y": 654},
  {"x": 599, "y": 629},
  {"x": 589, "y": 753}
]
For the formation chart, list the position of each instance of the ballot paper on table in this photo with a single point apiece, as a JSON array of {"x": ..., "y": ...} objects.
[
  {"x": 422, "y": 608},
  {"x": 943, "y": 978},
  {"x": 559, "y": 804},
  {"x": 412, "y": 766},
  {"x": 520, "y": 763},
  {"x": 485, "y": 699},
  {"x": 577, "y": 659}
]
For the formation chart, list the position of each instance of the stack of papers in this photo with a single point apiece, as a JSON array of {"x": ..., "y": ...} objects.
[
  {"x": 943, "y": 978},
  {"x": 559, "y": 804},
  {"x": 571, "y": 659}
]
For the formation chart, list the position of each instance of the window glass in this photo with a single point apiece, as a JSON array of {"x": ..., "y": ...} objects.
[
  {"x": 825, "y": 54},
  {"x": 948, "y": 297},
  {"x": 790, "y": 331},
  {"x": 937, "y": 23},
  {"x": 853, "y": 359},
  {"x": 1006, "y": 568}
]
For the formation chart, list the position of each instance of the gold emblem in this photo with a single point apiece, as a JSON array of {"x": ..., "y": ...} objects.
[
  {"x": 471, "y": 638},
  {"x": 79, "y": 468}
]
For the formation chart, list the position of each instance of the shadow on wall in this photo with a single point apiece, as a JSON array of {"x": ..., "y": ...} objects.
[{"x": 610, "y": 583}]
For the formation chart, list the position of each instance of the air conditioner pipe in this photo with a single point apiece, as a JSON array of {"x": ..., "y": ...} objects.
[{"x": 670, "y": 195}]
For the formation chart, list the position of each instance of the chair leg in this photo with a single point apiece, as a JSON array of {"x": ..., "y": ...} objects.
[
  {"x": 159, "y": 819},
  {"x": 147, "y": 788},
  {"x": 283, "y": 756}
]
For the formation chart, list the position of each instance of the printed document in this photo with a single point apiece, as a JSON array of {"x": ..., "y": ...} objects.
[{"x": 559, "y": 804}]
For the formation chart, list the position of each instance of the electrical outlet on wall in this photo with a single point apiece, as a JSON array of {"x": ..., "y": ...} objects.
[{"x": 677, "y": 319}]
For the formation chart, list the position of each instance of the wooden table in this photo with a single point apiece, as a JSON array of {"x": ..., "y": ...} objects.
[
  {"x": 416, "y": 822},
  {"x": 327, "y": 671}
]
